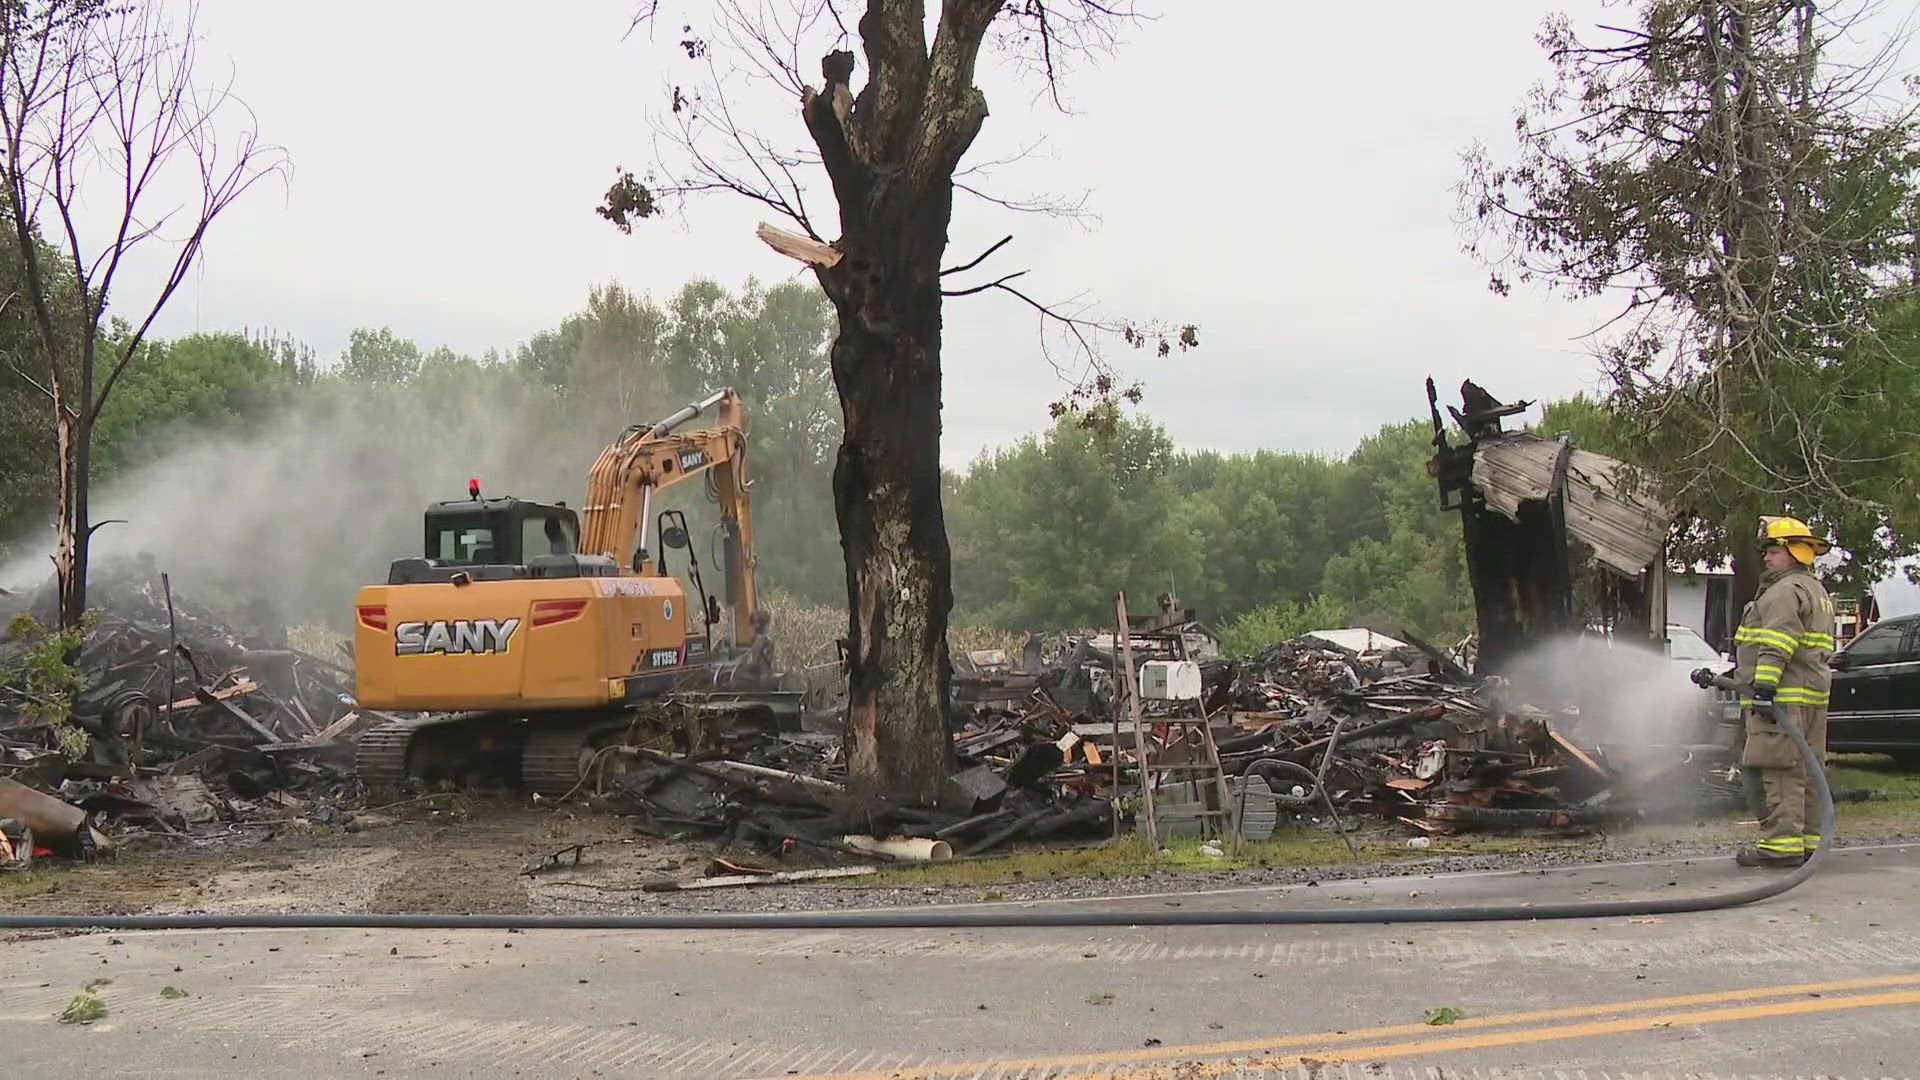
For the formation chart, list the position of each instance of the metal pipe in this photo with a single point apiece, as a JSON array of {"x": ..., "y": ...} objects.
[
  {"x": 1320, "y": 785},
  {"x": 646, "y": 522},
  {"x": 811, "y": 783},
  {"x": 686, "y": 413}
]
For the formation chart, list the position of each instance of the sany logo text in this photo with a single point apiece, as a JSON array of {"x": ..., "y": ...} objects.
[{"x": 453, "y": 636}]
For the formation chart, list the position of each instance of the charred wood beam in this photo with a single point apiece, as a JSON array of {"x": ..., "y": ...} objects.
[{"x": 1391, "y": 723}]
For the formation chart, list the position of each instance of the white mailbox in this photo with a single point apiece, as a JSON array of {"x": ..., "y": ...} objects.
[{"x": 1170, "y": 680}]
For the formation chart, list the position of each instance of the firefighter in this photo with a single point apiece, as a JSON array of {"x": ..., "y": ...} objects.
[{"x": 1784, "y": 640}]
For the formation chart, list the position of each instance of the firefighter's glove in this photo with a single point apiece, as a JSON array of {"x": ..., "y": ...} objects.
[
  {"x": 1703, "y": 678},
  {"x": 1762, "y": 694}
]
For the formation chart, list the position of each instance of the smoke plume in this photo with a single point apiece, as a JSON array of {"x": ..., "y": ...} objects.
[{"x": 320, "y": 501}]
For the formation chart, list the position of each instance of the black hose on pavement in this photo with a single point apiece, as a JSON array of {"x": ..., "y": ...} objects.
[{"x": 973, "y": 917}]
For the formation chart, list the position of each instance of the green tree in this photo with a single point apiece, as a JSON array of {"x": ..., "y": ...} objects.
[
  {"x": 1266, "y": 521},
  {"x": 377, "y": 359},
  {"x": 1281, "y": 620},
  {"x": 29, "y": 453},
  {"x": 770, "y": 346},
  {"x": 1049, "y": 528},
  {"x": 1408, "y": 569},
  {"x": 1748, "y": 197},
  {"x": 1592, "y": 424},
  {"x": 620, "y": 374},
  {"x": 199, "y": 384}
]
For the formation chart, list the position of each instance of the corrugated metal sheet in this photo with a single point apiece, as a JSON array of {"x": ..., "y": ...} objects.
[
  {"x": 1626, "y": 531},
  {"x": 1359, "y": 639}
]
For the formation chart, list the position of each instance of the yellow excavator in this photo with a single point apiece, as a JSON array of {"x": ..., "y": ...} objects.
[{"x": 525, "y": 635}]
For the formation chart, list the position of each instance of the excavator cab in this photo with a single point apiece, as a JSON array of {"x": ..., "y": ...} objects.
[
  {"x": 509, "y": 531},
  {"x": 499, "y": 539}
]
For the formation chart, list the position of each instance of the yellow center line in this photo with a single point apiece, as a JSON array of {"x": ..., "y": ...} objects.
[
  {"x": 1493, "y": 1039},
  {"x": 1335, "y": 1038}
]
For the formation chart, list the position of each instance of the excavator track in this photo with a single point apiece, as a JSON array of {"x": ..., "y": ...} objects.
[
  {"x": 380, "y": 756},
  {"x": 557, "y": 753},
  {"x": 435, "y": 746}
]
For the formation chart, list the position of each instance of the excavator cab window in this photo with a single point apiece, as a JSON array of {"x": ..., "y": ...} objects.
[
  {"x": 463, "y": 544},
  {"x": 512, "y": 532},
  {"x": 548, "y": 535},
  {"x": 499, "y": 539}
]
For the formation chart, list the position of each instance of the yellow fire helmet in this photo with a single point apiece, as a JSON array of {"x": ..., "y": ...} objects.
[{"x": 1793, "y": 534}]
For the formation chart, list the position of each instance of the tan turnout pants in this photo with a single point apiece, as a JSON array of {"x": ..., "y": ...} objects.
[{"x": 1793, "y": 811}]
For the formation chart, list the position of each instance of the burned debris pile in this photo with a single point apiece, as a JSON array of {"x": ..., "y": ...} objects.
[
  {"x": 1321, "y": 730},
  {"x": 786, "y": 792},
  {"x": 172, "y": 717},
  {"x": 1437, "y": 753},
  {"x": 1337, "y": 724}
]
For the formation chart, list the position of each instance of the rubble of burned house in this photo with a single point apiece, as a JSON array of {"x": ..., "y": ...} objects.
[
  {"x": 178, "y": 721},
  {"x": 1322, "y": 732},
  {"x": 1331, "y": 726},
  {"x": 787, "y": 792}
]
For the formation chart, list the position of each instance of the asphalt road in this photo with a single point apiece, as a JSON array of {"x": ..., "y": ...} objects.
[{"x": 1822, "y": 982}]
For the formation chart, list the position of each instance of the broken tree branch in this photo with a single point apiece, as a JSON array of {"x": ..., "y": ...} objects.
[{"x": 795, "y": 246}]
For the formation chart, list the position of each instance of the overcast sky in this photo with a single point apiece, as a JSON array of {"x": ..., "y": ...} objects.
[{"x": 1280, "y": 174}]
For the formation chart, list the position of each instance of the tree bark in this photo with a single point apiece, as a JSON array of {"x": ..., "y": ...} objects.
[
  {"x": 79, "y": 519},
  {"x": 73, "y": 443},
  {"x": 70, "y": 578},
  {"x": 891, "y": 154},
  {"x": 886, "y": 493}
]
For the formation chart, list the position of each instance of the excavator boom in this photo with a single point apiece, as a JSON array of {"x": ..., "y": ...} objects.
[{"x": 648, "y": 458}]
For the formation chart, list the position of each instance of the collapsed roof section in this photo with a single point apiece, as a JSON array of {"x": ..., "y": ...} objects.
[
  {"x": 1535, "y": 515},
  {"x": 1625, "y": 531}
]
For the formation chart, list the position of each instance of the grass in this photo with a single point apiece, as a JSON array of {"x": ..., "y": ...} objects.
[
  {"x": 1895, "y": 808},
  {"x": 18, "y": 884},
  {"x": 85, "y": 1008},
  {"x": 1875, "y": 773},
  {"x": 318, "y": 640}
]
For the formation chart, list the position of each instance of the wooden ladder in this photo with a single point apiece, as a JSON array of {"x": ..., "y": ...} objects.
[{"x": 1203, "y": 776}]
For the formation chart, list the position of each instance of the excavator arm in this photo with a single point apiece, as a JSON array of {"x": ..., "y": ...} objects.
[{"x": 648, "y": 458}]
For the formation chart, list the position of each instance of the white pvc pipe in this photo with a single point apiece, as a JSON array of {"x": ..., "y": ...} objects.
[
  {"x": 811, "y": 783},
  {"x": 902, "y": 848}
]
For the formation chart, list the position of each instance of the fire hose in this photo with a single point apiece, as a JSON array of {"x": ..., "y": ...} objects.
[{"x": 974, "y": 917}]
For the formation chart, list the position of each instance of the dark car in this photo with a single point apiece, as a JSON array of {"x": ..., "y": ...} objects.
[{"x": 1875, "y": 707}]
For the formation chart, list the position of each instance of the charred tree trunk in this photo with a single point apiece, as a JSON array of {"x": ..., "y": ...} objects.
[
  {"x": 886, "y": 494},
  {"x": 1746, "y": 583},
  {"x": 67, "y": 579},
  {"x": 1747, "y": 247},
  {"x": 891, "y": 154},
  {"x": 76, "y": 526}
]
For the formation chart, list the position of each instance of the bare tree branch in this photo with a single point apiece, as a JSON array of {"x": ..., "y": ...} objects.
[
  {"x": 99, "y": 94},
  {"x": 31, "y": 381},
  {"x": 999, "y": 283},
  {"x": 980, "y": 258}
]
